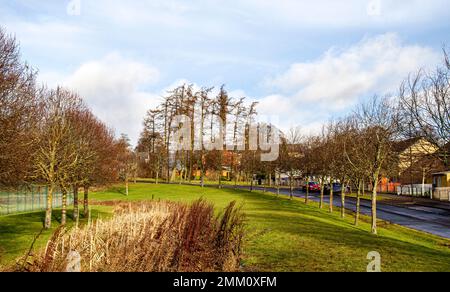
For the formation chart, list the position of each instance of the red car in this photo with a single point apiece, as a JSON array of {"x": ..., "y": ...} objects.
[{"x": 313, "y": 187}]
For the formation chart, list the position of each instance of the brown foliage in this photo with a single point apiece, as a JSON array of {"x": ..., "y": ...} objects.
[
  {"x": 18, "y": 106},
  {"x": 151, "y": 236}
]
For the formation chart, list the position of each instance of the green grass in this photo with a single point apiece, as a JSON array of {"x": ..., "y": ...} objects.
[
  {"x": 195, "y": 182},
  {"x": 282, "y": 235},
  {"x": 17, "y": 232},
  {"x": 286, "y": 235},
  {"x": 385, "y": 198}
]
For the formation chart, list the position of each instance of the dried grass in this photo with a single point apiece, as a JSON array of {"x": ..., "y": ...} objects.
[{"x": 151, "y": 236}]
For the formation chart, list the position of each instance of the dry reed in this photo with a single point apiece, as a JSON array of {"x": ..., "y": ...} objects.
[{"x": 150, "y": 236}]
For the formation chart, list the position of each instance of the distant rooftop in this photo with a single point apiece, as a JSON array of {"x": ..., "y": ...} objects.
[{"x": 443, "y": 172}]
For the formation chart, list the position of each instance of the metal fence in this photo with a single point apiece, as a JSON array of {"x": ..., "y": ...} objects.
[
  {"x": 28, "y": 199},
  {"x": 416, "y": 190}
]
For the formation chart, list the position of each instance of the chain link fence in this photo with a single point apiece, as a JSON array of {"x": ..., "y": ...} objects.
[{"x": 28, "y": 199}]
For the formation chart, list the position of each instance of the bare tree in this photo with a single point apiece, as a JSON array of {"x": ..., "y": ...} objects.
[
  {"x": 238, "y": 123},
  {"x": 425, "y": 103},
  {"x": 379, "y": 122},
  {"x": 127, "y": 161},
  {"x": 355, "y": 145},
  {"x": 56, "y": 155},
  {"x": 151, "y": 142},
  {"x": 318, "y": 154},
  {"x": 292, "y": 156},
  {"x": 94, "y": 142},
  {"x": 19, "y": 113},
  {"x": 308, "y": 163},
  {"x": 204, "y": 102}
]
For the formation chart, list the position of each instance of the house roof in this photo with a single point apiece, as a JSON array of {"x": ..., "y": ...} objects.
[
  {"x": 441, "y": 173},
  {"x": 401, "y": 146}
]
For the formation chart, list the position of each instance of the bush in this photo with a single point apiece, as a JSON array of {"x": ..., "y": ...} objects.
[{"x": 151, "y": 236}]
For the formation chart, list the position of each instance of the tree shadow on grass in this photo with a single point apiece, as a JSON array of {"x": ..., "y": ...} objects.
[
  {"x": 118, "y": 190},
  {"x": 328, "y": 236},
  {"x": 325, "y": 238}
]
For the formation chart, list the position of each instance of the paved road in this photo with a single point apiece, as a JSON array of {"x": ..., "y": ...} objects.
[{"x": 432, "y": 220}]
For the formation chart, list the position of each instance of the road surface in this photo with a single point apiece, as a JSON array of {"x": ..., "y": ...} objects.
[{"x": 433, "y": 220}]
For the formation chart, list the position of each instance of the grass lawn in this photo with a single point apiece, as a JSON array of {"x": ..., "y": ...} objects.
[
  {"x": 17, "y": 232},
  {"x": 282, "y": 235},
  {"x": 380, "y": 197}
]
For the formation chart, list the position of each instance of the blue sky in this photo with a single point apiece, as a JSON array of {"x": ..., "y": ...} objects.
[{"x": 305, "y": 61}]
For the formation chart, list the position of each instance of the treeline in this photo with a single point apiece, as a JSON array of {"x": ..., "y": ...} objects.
[
  {"x": 50, "y": 137},
  {"x": 361, "y": 149},
  {"x": 218, "y": 137},
  {"x": 356, "y": 151}
]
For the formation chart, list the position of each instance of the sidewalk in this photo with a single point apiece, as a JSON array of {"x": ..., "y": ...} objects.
[{"x": 408, "y": 200}]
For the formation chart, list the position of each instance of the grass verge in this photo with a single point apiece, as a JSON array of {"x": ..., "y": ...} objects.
[{"x": 281, "y": 234}]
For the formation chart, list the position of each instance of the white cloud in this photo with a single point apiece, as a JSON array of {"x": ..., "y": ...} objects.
[
  {"x": 289, "y": 114},
  {"x": 310, "y": 93},
  {"x": 341, "y": 76},
  {"x": 115, "y": 88}
]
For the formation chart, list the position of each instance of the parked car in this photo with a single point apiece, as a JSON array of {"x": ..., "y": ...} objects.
[
  {"x": 313, "y": 187},
  {"x": 337, "y": 188}
]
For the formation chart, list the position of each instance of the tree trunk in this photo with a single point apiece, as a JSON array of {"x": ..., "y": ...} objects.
[
  {"x": 358, "y": 204},
  {"x": 86, "y": 201},
  {"x": 220, "y": 171},
  {"x": 307, "y": 191},
  {"x": 322, "y": 192},
  {"x": 48, "y": 211},
  {"x": 291, "y": 189},
  {"x": 363, "y": 188},
  {"x": 331, "y": 196},
  {"x": 189, "y": 174},
  {"x": 202, "y": 178},
  {"x": 423, "y": 182},
  {"x": 168, "y": 169},
  {"x": 343, "y": 189},
  {"x": 64, "y": 207},
  {"x": 76, "y": 210},
  {"x": 374, "y": 202},
  {"x": 126, "y": 187},
  {"x": 278, "y": 183}
]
